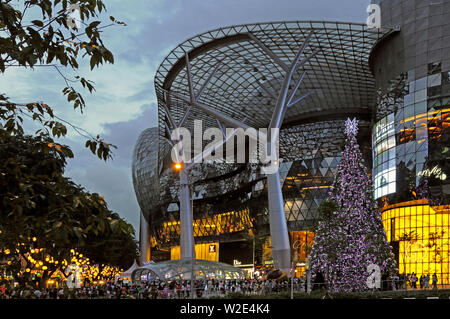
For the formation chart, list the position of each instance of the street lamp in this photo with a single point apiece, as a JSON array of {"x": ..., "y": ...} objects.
[{"x": 177, "y": 167}]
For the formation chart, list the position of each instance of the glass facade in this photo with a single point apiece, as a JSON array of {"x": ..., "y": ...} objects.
[
  {"x": 315, "y": 151},
  {"x": 230, "y": 200},
  {"x": 216, "y": 225},
  {"x": 182, "y": 269},
  {"x": 145, "y": 170},
  {"x": 411, "y": 139},
  {"x": 384, "y": 168},
  {"x": 411, "y": 153},
  {"x": 420, "y": 236}
]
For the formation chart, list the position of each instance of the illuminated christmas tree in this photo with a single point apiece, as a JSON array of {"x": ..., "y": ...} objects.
[{"x": 350, "y": 234}]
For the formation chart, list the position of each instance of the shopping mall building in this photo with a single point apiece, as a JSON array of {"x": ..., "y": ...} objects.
[{"x": 395, "y": 80}]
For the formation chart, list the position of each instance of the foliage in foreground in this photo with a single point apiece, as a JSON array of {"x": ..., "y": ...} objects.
[
  {"x": 41, "y": 35},
  {"x": 45, "y": 215}
]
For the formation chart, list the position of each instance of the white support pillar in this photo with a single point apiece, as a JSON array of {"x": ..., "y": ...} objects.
[
  {"x": 144, "y": 241},
  {"x": 281, "y": 251},
  {"x": 187, "y": 244}
]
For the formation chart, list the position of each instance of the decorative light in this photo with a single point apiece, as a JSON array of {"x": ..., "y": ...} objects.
[{"x": 351, "y": 127}]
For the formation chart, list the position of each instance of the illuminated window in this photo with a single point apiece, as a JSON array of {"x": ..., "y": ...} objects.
[
  {"x": 229, "y": 222},
  {"x": 422, "y": 235},
  {"x": 384, "y": 170},
  {"x": 202, "y": 251}
]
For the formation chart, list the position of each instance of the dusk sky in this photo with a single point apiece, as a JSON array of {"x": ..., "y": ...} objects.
[{"x": 124, "y": 103}]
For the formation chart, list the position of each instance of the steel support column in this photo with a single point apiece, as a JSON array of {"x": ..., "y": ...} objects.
[
  {"x": 281, "y": 251},
  {"x": 144, "y": 241},
  {"x": 187, "y": 245}
]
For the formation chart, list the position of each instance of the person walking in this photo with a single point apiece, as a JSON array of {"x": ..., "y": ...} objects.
[
  {"x": 269, "y": 286},
  {"x": 435, "y": 281},
  {"x": 426, "y": 281},
  {"x": 414, "y": 280}
]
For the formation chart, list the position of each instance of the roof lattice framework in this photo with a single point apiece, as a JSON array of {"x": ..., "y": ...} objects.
[{"x": 248, "y": 81}]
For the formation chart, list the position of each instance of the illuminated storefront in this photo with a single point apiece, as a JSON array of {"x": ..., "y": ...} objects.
[
  {"x": 229, "y": 222},
  {"x": 420, "y": 236},
  {"x": 301, "y": 244},
  {"x": 411, "y": 148},
  {"x": 202, "y": 251}
]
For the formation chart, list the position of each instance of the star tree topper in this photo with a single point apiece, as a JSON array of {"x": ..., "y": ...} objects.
[{"x": 351, "y": 127}]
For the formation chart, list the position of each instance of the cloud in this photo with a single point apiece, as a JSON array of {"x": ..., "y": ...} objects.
[{"x": 112, "y": 179}]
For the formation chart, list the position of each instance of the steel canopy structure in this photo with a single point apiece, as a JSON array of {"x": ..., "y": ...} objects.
[
  {"x": 245, "y": 65},
  {"x": 262, "y": 74}
]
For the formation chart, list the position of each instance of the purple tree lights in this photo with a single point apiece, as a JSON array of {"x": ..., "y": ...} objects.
[{"x": 350, "y": 235}]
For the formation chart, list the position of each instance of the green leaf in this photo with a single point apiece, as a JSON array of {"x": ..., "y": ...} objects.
[
  {"x": 39, "y": 23},
  {"x": 94, "y": 24},
  {"x": 72, "y": 96},
  {"x": 93, "y": 62}
]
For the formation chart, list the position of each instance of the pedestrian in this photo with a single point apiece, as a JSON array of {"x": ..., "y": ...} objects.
[
  {"x": 269, "y": 286},
  {"x": 426, "y": 281},
  {"x": 37, "y": 293},
  {"x": 414, "y": 280},
  {"x": 435, "y": 281}
]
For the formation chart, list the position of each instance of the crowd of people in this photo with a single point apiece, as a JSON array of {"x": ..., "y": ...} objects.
[
  {"x": 108, "y": 291},
  {"x": 155, "y": 290},
  {"x": 158, "y": 289},
  {"x": 402, "y": 282},
  {"x": 209, "y": 288}
]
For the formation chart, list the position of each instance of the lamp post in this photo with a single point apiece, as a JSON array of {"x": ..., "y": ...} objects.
[
  {"x": 192, "y": 279},
  {"x": 294, "y": 262}
]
